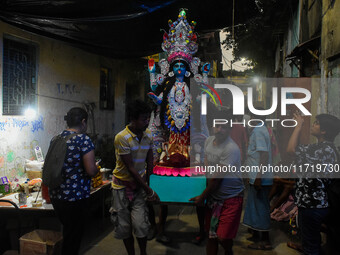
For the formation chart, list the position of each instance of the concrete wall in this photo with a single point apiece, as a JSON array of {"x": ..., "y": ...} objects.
[
  {"x": 317, "y": 17},
  {"x": 330, "y": 58},
  {"x": 310, "y": 19},
  {"x": 330, "y": 29},
  {"x": 66, "y": 77},
  {"x": 290, "y": 41}
]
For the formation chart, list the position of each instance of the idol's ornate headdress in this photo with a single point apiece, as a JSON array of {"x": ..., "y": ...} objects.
[{"x": 181, "y": 41}]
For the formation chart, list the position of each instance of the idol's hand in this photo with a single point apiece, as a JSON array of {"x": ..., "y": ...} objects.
[
  {"x": 154, "y": 98},
  {"x": 206, "y": 68},
  {"x": 151, "y": 65}
]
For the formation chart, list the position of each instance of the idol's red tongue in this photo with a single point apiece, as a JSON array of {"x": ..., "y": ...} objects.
[{"x": 179, "y": 71}]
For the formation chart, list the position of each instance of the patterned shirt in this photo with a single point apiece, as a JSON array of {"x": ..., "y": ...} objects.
[
  {"x": 311, "y": 192},
  {"x": 76, "y": 183},
  {"x": 125, "y": 143}
]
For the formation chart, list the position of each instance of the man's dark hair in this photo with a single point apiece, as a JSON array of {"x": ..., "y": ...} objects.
[
  {"x": 330, "y": 124},
  {"x": 75, "y": 116},
  {"x": 223, "y": 114},
  {"x": 137, "y": 108}
]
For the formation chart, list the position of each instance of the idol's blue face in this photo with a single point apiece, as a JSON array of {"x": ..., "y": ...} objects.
[{"x": 179, "y": 69}]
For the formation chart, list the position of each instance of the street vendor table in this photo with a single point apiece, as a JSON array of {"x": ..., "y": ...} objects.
[
  {"x": 31, "y": 198},
  {"x": 33, "y": 195},
  {"x": 17, "y": 220}
]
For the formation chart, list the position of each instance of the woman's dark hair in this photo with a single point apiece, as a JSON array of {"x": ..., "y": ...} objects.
[
  {"x": 75, "y": 116},
  {"x": 167, "y": 85},
  {"x": 137, "y": 108},
  {"x": 330, "y": 124}
]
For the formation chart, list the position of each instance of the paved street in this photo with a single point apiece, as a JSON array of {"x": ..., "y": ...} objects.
[{"x": 181, "y": 227}]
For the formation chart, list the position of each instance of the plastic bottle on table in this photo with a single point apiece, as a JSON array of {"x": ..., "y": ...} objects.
[{"x": 26, "y": 188}]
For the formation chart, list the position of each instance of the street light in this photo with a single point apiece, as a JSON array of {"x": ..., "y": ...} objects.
[{"x": 30, "y": 113}]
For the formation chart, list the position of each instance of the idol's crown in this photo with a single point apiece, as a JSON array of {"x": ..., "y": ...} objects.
[{"x": 181, "y": 41}]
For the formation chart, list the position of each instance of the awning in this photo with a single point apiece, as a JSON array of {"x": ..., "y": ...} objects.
[
  {"x": 302, "y": 47},
  {"x": 119, "y": 28}
]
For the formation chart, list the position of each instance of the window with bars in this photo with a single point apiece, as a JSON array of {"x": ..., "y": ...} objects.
[
  {"x": 19, "y": 76},
  {"x": 106, "y": 93}
]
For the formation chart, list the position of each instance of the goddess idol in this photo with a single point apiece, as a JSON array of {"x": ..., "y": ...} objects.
[{"x": 171, "y": 93}]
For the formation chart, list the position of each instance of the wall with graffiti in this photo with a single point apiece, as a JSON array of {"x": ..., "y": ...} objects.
[{"x": 66, "y": 77}]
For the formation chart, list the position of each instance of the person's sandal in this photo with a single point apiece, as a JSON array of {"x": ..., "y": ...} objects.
[{"x": 295, "y": 246}]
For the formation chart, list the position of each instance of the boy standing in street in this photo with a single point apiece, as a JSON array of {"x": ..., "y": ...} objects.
[
  {"x": 312, "y": 196},
  {"x": 224, "y": 193},
  {"x": 133, "y": 149}
]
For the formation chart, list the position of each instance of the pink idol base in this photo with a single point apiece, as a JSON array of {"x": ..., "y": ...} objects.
[{"x": 172, "y": 171}]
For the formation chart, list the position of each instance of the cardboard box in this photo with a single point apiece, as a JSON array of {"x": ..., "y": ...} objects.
[
  {"x": 41, "y": 242},
  {"x": 33, "y": 174},
  {"x": 33, "y": 169}
]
